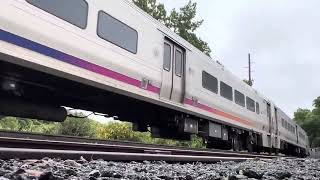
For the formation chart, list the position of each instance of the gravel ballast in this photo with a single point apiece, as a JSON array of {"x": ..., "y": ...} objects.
[{"x": 55, "y": 169}]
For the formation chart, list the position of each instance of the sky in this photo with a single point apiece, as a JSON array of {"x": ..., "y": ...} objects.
[{"x": 283, "y": 37}]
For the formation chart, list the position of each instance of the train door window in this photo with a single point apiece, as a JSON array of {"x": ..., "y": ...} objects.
[
  {"x": 239, "y": 98},
  {"x": 117, "y": 32},
  {"x": 167, "y": 57},
  {"x": 250, "y": 104},
  {"x": 178, "y": 63},
  {"x": 294, "y": 130},
  {"x": 209, "y": 82},
  {"x": 226, "y": 91},
  {"x": 72, "y": 11},
  {"x": 285, "y": 124},
  {"x": 257, "y": 108}
]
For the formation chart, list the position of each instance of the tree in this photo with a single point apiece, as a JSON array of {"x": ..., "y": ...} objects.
[
  {"x": 301, "y": 115},
  {"x": 310, "y": 122},
  {"x": 181, "y": 22},
  {"x": 156, "y": 10},
  {"x": 247, "y": 82},
  {"x": 316, "y": 102}
]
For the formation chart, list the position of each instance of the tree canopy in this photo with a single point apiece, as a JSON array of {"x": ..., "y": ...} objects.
[
  {"x": 181, "y": 22},
  {"x": 248, "y": 82},
  {"x": 309, "y": 120}
]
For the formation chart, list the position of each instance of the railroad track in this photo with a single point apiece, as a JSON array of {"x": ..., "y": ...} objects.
[{"x": 36, "y": 146}]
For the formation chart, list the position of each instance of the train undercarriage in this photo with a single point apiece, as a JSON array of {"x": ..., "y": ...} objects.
[{"x": 33, "y": 94}]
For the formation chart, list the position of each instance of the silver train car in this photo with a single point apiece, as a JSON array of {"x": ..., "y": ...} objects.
[{"x": 111, "y": 57}]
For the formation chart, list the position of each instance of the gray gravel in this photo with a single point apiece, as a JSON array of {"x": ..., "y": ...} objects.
[{"x": 55, "y": 169}]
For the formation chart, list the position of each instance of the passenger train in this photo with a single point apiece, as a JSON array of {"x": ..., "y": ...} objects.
[{"x": 111, "y": 57}]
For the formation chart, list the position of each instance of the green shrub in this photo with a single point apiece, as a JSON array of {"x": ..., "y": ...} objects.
[{"x": 82, "y": 127}]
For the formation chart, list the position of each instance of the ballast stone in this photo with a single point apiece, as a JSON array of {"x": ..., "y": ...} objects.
[{"x": 57, "y": 169}]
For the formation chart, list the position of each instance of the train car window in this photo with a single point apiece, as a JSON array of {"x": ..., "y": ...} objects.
[
  {"x": 285, "y": 125},
  {"x": 239, "y": 98},
  {"x": 167, "y": 57},
  {"x": 178, "y": 63},
  {"x": 209, "y": 82},
  {"x": 72, "y": 11},
  {"x": 117, "y": 32},
  {"x": 250, "y": 104},
  {"x": 257, "y": 108},
  {"x": 282, "y": 122},
  {"x": 226, "y": 91},
  {"x": 301, "y": 136}
]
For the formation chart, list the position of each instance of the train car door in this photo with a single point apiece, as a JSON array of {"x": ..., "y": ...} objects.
[
  {"x": 172, "y": 86},
  {"x": 269, "y": 114},
  {"x": 269, "y": 117},
  {"x": 297, "y": 134},
  {"x": 276, "y": 120},
  {"x": 276, "y": 129}
]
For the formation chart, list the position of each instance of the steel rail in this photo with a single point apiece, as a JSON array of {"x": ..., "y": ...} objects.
[
  {"x": 23, "y": 153},
  {"x": 38, "y": 142}
]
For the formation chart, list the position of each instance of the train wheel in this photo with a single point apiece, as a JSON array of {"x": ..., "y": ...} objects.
[
  {"x": 250, "y": 147},
  {"x": 250, "y": 143},
  {"x": 235, "y": 143}
]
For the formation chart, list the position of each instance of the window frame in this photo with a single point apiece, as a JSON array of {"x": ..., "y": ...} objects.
[
  {"x": 175, "y": 62},
  {"x": 87, "y": 15},
  {"x": 170, "y": 63},
  {"x": 254, "y": 104},
  {"x": 257, "y": 107},
  {"x": 244, "y": 98},
  {"x": 206, "y": 87},
  {"x": 97, "y": 32},
  {"x": 232, "y": 98}
]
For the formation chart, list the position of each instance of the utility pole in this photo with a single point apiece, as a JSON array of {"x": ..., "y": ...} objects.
[{"x": 250, "y": 78}]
